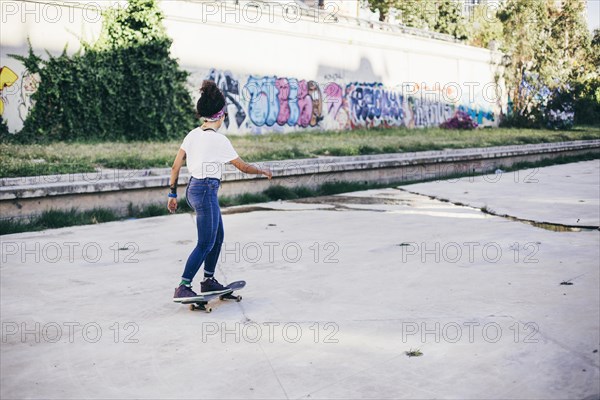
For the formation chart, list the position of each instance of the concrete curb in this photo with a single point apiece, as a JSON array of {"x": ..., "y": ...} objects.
[{"x": 31, "y": 195}]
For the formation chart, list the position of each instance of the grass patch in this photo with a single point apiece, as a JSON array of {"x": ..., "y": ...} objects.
[
  {"x": 246, "y": 198},
  {"x": 53, "y": 219},
  {"x": 284, "y": 193},
  {"x": 69, "y": 157},
  {"x": 414, "y": 353}
]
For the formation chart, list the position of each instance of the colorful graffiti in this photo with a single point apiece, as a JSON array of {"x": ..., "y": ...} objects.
[
  {"x": 284, "y": 101},
  {"x": 372, "y": 105},
  {"x": 231, "y": 89},
  {"x": 336, "y": 110},
  {"x": 29, "y": 85},
  {"x": 284, "y": 104},
  {"x": 17, "y": 87},
  {"x": 280, "y": 101},
  {"x": 478, "y": 115},
  {"x": 7, "y": 79},
  {"x": 429, "y": 113}
]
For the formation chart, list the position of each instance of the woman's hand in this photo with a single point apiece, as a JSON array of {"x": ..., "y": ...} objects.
[
  {"x": 251, "y": 169},
  {"x": 267, "y": 172},
  {"x": 172, "y": 205}
]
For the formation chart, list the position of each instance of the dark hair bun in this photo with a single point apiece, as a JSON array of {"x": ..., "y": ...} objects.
[{"x": 211, "y": 99}]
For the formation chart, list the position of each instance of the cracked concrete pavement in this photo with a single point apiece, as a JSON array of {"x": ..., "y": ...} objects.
[{"x": 339, "y": 289}]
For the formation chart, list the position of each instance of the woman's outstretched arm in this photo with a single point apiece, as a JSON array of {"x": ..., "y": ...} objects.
[
  {"x": 251, "y": 169},
  {"x": 177, "y": 164}
]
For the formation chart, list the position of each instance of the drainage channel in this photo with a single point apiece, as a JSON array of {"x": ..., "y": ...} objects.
[
  {"x": 337, "y": 203},
  {"x": 549, "y": 226}
]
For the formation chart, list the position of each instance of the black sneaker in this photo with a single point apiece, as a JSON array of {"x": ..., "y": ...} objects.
[
  {"x": 183, "y": 293},
  {"x": 211, "y": 286}
]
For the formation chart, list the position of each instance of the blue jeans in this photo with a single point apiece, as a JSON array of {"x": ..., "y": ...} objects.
[{"x": 201, "y": 195}]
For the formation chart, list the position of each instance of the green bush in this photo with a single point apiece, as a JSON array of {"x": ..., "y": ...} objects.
[
  {"x": 125, "y": 86},
  {"x": 53, "y": 219},
  {"x": 279, "y": 192},
  {"x": 3, "y": 129},
  {"x": 587, "y": 102}
]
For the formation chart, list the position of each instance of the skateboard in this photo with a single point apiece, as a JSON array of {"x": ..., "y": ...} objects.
[{"x": 202, "y": 304}]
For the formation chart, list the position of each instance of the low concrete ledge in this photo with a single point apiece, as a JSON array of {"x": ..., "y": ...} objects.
[{"x": 110, "y": 188}]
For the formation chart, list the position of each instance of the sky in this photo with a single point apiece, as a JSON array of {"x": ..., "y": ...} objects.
[{"x": 593, "y": 14}]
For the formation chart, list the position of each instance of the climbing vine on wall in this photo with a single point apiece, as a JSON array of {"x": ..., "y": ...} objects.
[{"x": 125, "y": 86}]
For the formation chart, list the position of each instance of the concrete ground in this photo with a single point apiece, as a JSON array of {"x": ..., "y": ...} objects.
[
  {"x": 339, "y": 290},
  {"x": 561, "y": 194}
]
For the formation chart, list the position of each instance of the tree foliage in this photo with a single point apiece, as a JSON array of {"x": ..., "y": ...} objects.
[
  {"x": 139, "y": 23},
  {"x": 3, "y": 128},
  {"x": 526, "y": 34},
  {"x": 383, "y": 6},
  {"x": 416, "y": 13},
  {"x": 484, "y": 27},
  {"x": 586, "y": 85},
  {"x": 124, "y": 86},
  {"x": 547, "y": 46},
  {"x": 443, "y": 16},
  {"x": 449, "y": 19}
]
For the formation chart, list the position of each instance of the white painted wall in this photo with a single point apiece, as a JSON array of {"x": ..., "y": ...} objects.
[{"x": 247, "y": 41}]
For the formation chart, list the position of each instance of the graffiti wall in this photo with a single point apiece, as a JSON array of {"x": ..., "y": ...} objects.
[
  {"x": 325, "y": 73},
  {"x": 261, "y": 104}
]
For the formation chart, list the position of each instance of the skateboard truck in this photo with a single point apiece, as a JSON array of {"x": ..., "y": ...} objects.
[{"x": 202, "y": 304}]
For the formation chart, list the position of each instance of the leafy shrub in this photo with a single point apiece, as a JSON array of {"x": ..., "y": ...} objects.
[
  {"x": 558, "y": 111},
  {"x": 279, "y": 192},
  {"x": 3, "y": 129},
  {"x": 587, "y": 102},
  {"x": 126, "y": 86}
]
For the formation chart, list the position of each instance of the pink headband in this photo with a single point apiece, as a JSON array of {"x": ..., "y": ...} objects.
[{"x": 217, "y": 116}]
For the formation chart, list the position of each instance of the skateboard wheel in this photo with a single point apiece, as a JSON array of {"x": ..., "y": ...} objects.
[
  {"x": 238, "y": 299},
  {"x": 192, "y": 307},
  {"x": 208, "y": 310}
]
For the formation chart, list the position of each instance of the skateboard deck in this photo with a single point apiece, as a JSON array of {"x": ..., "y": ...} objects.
[{"x": 202, "y": 303}]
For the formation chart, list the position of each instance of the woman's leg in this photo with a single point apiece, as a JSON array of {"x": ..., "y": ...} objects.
[
  {"x": 210, "y": 264},
  {"x": 207, "y": 224}
]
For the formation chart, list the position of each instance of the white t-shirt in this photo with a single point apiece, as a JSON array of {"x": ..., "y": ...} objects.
[{"x": 206, "y": 152}]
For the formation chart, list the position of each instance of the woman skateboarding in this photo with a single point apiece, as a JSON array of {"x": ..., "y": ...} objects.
[{"x": 206, "y": 151}]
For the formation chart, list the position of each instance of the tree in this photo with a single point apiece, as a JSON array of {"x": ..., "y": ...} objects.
[
  {"x": 549, "y": 62},
  {"x": 571, "y": 40},
  {"x": 586, "y": 85},
  {"x": 485, "y": 27},
  {"x": 137, "y": 24},
  {"x": 449, "y": 19},
  {"x": 595, "y": 50},
  {"x": 443, "y": 16},
  {"x": 416, "y": 13},
  {"x": 383, "y": 6},
  {"x": 526, "y": 31}
]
